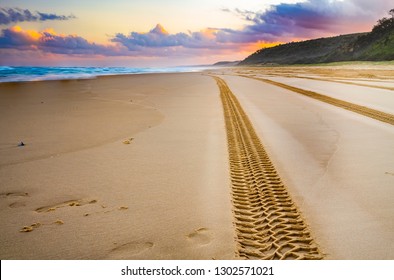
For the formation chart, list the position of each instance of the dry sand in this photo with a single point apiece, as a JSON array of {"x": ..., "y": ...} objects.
[
  {"x": 163, "y": 196},
  {"x": 137, "y": 167}
]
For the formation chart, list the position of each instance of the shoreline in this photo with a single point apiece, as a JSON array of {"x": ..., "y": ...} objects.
[
  {"x": 347, "y": 65},
  {"x": 95, "y": 75}
]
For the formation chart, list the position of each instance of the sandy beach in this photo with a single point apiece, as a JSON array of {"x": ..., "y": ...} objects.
[
  {"x": 163, "y": 196},
  {"x": 138, "y": 166}
]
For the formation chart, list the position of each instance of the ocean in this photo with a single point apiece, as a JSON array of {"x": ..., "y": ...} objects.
[{"x": 25, "y": 73}]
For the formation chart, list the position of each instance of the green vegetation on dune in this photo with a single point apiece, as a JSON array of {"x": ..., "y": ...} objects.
[
  {"x": 377, "y": 45},
  {"x": 382, "y": 49}
]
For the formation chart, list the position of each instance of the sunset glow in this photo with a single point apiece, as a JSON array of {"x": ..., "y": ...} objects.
[{"x": 167, "y": 33}]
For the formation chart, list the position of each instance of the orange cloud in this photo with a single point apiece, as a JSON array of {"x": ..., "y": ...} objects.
[{"x": 30, "y": 34}]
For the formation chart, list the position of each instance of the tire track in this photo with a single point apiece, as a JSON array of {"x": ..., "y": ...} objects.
[
  {"x": 267, "y": 222},
  {"x": 362, "y": 110},
  {"x": 332, "y": 80}
]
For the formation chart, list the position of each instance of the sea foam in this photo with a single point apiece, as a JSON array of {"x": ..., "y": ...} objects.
[{"x": 25, "y": 73}]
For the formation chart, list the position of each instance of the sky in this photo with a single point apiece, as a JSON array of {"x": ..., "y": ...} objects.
[{"x": 161, "y": 33}]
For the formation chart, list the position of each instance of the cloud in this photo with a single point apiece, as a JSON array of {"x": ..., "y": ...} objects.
[
  {"x": 279, "y": 23},
  {"x": 156, "y": 43},
  {"x": 13, "y": 15},
  {"x": 48, "y": 41},
  {"x": 207, "y": 39},
  {"x": 309, "y": 19},
  {"x": 158, "y": 37},
  {"x": 244, "y": 14}
]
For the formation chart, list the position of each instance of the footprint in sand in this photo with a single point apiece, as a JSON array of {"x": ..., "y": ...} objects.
[
  {"x": 30, "y": 228},
  {"x": 70, "y": 203},
  {"x": 15, "y": 195},
  {"x": 130, "y": 249},
  {"x": 121, "y": 208},
  {"x": 201, "y": 236},
  {"x": 17, "y": 204},
  {"x": 128, "y": 141},
  {"x": 38, "y": 224}
]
